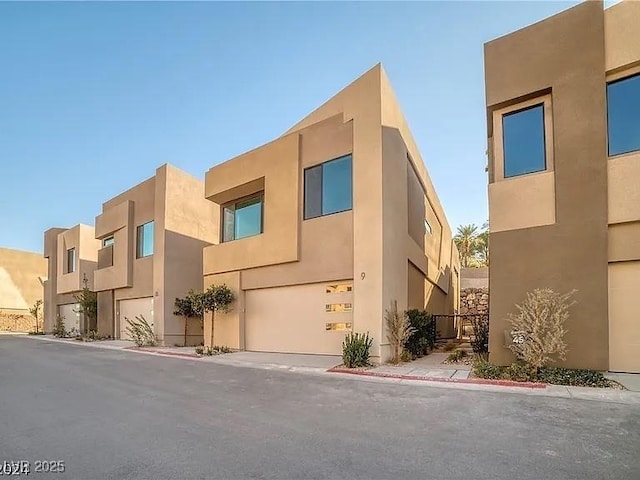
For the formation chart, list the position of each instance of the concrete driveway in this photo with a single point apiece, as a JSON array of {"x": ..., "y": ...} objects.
[{"x": 114, "y": 414}]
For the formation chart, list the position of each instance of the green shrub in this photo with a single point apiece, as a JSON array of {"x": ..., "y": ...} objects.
[
  {"x": 564, "y": 376},
  {"x": 423, "y": 337},
  {"x": 519, "y": 372},
  {"x": 199, "y": 350},
  {"x": 141, "y": 332},
  {"x": 355, "y": 349},
  {"x": 406, "y": 356},
  {"x": 58, "y": 328},
  {"x": 484, "y": 369},
  {"x": 457, "y": 355},
  {"x": 39, "y": 332},
  {"x": 480, "y": 338}
]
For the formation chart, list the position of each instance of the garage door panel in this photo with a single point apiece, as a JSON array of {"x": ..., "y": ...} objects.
[
  {"x": 132, "y": 308},
  {"x": 294, "y": 319},
  {"x": 70, "y": 316},
  {"x": 624, "y": 321}
]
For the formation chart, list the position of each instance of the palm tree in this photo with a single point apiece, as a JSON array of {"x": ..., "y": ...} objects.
[
  {"x": 467, "y": 242},
  {"x": 482, "y": 253}
]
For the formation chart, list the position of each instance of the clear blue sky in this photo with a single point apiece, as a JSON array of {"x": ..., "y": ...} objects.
[{"x": 95, "y": 96}]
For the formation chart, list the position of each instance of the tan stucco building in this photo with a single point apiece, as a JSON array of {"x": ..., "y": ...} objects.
[
  {"x": 150, "y": 241},
  {"x": 563, "y": 115},
  {"x": 22, "y": 276},
  {"x": 319, "y": 230},
  {"x": 72, "y": 255}
]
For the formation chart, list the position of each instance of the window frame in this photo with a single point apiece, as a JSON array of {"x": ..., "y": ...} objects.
[
  {"x": 321, "y": 166},
  {"x": 498, "y": 136},
  {"x": 140, "y": 240},
  {"x": 71, "y": 266},
  {"x": 105, "y": 240},
  {"x": 258, "y": 195},
  {"x": 615, "y": 78}
]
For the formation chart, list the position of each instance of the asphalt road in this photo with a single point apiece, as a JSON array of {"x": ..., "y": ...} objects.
[{"x": 111, "y": 414}]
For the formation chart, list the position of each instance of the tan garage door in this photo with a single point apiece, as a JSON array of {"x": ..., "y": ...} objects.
[
  {"x": 70, "y": 316},
  {"x": 624, "y": 320},
  {"x": 294, "y": 319},
  {"x": 131, "y": 309}
]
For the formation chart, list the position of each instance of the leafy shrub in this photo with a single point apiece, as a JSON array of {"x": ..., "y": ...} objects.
[
  {"x": 355, "y": 349},
  {"x": 215, "y": 350},
  {"x": 398, "y": 331},
  {"x": 199, "y": 350},
  {"x": 423, "y": 337},
  {"x": 141, "y": 332},
  {"x": 58, "y": 328},
  {"x": 456, "y": 356},
  {"x": 538, "y": 329},
  {"x": 484, "y": 369},
  {"x": 406, "y": 356},
  {"x": 480, "y": 338},
  {"x": 565, "y": 376},
  {"x": 519, "y": 372}
]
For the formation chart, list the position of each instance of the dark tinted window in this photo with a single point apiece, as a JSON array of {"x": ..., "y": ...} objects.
[
  {"x": 623, "y": 115},
  {"x": 144, "y": 246},
  {"x": 523, "y": 141},
  {"x": 328, "y": 188}
]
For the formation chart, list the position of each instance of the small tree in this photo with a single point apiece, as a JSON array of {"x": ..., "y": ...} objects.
[
  {"x": 88, "y": 305},
  {"x": 538, "y": 329},
  {"x": 216, "y": 298},
  {"x": 58, "y": 327},
  {"x": 35, "y": 312},
  {"x": 186, "y": 308},
  {"x": 399, "y": 331}
]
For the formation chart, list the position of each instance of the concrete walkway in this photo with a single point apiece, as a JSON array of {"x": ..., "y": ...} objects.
[
  {"x": 428, "y": 366},
  {"x": 630, "y": 381}
]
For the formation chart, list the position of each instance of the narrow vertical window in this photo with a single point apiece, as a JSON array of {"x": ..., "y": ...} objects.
[
  {"x": 144, "y": 240},
  {"x": 71, "y": 260}
]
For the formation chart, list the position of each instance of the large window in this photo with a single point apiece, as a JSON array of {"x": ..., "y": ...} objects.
[
  {"x": 524, "y": 141},
  {"x": 144, "y": 240},
  {"x": 71, "y": 260},
  {"x": 242, "y": 218},
  {"x": 328, "y": 188},
  {"x": 623, "y": 115}
]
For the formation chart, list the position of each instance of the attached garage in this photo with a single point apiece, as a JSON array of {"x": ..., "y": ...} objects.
[
  {"x": 624, "y": 326},
  {"x": 132, "y": 308},
  {"x": 310, "y": 318},
  {"x": 71, "y": 317}
]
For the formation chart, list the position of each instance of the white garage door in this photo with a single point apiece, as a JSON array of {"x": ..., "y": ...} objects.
[
  {"x": 624, "y": 324},
  {"x": 70, "y": 316},
  {"x": 295, "y": 320},
  {"x": 131, "y": 309}
]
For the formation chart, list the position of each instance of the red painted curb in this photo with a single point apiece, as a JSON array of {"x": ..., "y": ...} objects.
[{"x": 473, "y": 381}]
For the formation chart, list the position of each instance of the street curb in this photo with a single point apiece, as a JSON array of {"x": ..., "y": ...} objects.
[
  {"x": 159, "y": 352},
  {"x": 472, "y": 381}
]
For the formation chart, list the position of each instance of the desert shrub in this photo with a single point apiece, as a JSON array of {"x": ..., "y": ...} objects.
[
  {"x": 141, "y": 332},
  {"x": 39, "y": 332},
  {"x": 423, "y": 337},
  {"x": 398, "y": 331},
  {"x": 199, "y": 350},
  {"x": 538, "y": 329},
  {"x": 484, "y": 369},
  {"x": 355, "y": 349},
  {"x": 565, "y": 376},
  {"x": 222, "y": 349},
  {"x": 519, "y": 372},
  {"x": 58, "y": 328},
  {"x": 406, "y": 356},
  {"x": 456, "y": 355},
  {"x": 480, "y": 339}
]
